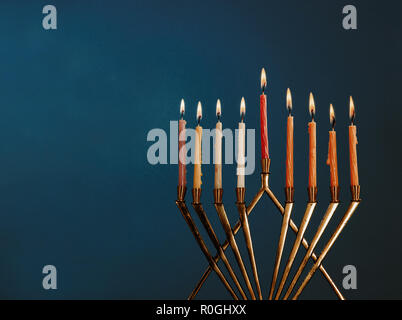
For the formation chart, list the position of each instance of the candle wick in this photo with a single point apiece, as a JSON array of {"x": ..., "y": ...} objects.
[{"x": 199, "y": 120}]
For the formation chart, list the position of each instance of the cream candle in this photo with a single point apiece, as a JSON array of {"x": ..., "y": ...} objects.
[
  {"x": 198, "y": 155},
  {"x": 241, "y": 160},
  {"x": 218, "y": 147}
]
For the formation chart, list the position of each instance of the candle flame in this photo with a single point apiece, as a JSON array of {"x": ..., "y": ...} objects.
[
  {"x": 218, "y": 108},
  {"x": 332, "y": 115},
  {"x": 263, "y": 79},
  {"x": 199, "y": 111},
  {"x": 242, "y": 107},
  {"x": 312, "y": 105},
  {"x": 289, "y": 100},
  {"x": 352, "y": 112},
  {"x": 182, "y": 107}
]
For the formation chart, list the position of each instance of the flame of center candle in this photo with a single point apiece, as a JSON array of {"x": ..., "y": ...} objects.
[
  {"x": 218, "y": 108},
  {"x": 263, "y": 79}
]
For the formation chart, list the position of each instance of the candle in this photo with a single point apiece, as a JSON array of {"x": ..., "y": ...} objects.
[
  {"x": 312, "y": 130},
  {"x": 218, "y": 147},
  {"x": 354, "y": 174},
  {"x": 332, "y": 154},
  {"x": 241, "y": 147},
  {"x": 263, "y": 117},
  {"x": 198, "y": 143},
  {"x": 182, "y": 147},
  {"x": 289, "y": 143}
]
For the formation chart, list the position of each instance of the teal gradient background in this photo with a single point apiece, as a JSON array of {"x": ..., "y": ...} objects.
[{"x": 76, "y": 104}]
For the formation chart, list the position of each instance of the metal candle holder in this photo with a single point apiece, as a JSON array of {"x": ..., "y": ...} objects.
[
  {"x": 287, "y": 222},
  {"x": 355, "y": 190}
]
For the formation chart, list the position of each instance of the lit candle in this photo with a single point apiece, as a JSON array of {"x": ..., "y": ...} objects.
[
  {"x": 198, "y": 143},
  {"x": 218, "y": 147},
  {"x": 289, "y": 143},
  {"x": 354, "y": 174},
  {"x": 312, "y": 130},
  {"x": 332, "y": 154},
  {"x": 182, "y": 147},
  {"x": 263, "y": 117},
  {"x": 241, "y": 160}
]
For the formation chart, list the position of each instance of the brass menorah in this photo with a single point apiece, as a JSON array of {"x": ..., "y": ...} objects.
[{"x": 242, "y": 223}]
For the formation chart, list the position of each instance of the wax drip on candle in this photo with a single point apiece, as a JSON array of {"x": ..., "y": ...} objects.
[{"x": 312, "y": 106}]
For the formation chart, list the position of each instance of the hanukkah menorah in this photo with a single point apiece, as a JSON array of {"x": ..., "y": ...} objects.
[{"x": 286, "y": 210}]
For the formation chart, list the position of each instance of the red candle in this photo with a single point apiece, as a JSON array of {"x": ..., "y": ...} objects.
[
  {"x": 289, "y": 143},
  {"x": 263, "y": 117},
  {"x": 312, "y": 130},
  {"x": 354, "y": 174},
  {"x": 182, "y": 148},
  {"x": 332, "y": 154}
]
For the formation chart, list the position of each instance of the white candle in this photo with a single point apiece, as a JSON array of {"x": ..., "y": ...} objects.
[
  {"x": 218, "y": 148},
  {"x": 198, "y": 157},
  {"x": 241, "y": 160}
]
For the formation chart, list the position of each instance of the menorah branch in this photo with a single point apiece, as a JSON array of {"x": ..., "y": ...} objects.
[
  {"x": 321, "y": 228},
  {"x": 241, "y": 207},
  {"x": 197, "y": 236},
  {"x": 355, "y": 190},
  {"x": 233, "y": 244},
  {"x": 282, "y": 238}
]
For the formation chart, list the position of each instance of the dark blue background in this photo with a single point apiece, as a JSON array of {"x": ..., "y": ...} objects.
[{"x": 76, "y": 190}]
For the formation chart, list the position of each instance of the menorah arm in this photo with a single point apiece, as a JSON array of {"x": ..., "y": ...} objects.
[
  {"x": 214, "y": 239},
  {"x": 346, "y": 218},
  {"x": 241, "y": 207},
  {"x": 281, "y": 244},
  {"x": 305, "y": 244},
  {"x": 233, "y": 244},
  {"x": 225, "y": 245},
  {"x": 193, "y": 228},
  {"x": 324, "y": 223}
]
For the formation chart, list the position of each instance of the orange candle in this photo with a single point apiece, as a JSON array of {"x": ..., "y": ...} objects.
[
  {"x": 332, "y": 160},
  {"x": 182, "y": 147},
  {"x": 312, "y": 130},
  {"x": 354, "y": 174},
  {"x": 289, "y": 143}
]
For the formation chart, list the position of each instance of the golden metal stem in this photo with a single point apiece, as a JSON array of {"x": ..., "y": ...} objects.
[
  {"x": 299, "y": 238},
  {"x": 346, "y": 218},
  {"x": 241, "y": 207},
  {"x": 324, "y": 223},
  {"x": 281, "y": 245},
  {"x": 214, "y": 239},
  {"x": 264, "y": 189},
  {"x": 193, "y": 228},
  {"x": 233, "y": 244}
]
